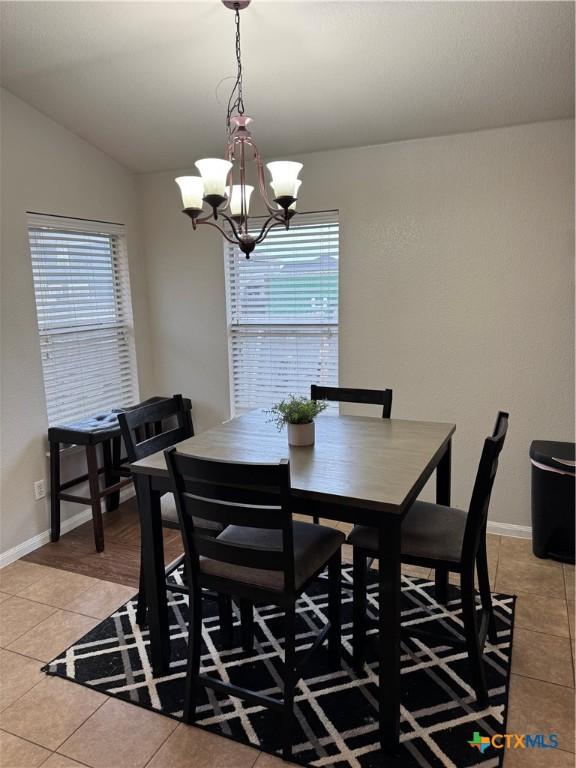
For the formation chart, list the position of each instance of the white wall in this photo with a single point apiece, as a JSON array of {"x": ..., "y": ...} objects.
[
  {"x": 185, "y": 271},
  {"x": 456, "y": 289},
  {"x": 49, "y": 170}
]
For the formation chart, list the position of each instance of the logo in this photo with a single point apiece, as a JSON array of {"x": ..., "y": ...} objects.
[
  {"x": 481, "y": 743},
  {"x": 513, "y": 741}
]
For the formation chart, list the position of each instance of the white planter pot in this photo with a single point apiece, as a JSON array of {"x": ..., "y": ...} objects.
[{"x": 301, "y": 434}]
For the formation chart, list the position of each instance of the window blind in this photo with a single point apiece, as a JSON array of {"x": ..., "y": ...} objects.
[
  {"x": 84, "y": 311},
  {"x": 282, "y": 307}
]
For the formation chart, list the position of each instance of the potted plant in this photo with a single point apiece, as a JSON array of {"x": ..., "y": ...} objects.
[{"x": 298, "y": 413}]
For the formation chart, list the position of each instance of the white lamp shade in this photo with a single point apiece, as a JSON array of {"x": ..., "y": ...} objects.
[
  {"x": 293, "y": 206},
  {"x": 214, "y": 174},
  {"x": 284, "y": 177},
  {"x": 192, "y": 189},
  {"x": 236, "y": 199}
]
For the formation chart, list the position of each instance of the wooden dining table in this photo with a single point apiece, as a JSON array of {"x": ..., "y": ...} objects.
[{"x": 360, "y": 470}]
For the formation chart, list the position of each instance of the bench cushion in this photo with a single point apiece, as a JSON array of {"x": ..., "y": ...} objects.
[{"x": 96, "y": 429}]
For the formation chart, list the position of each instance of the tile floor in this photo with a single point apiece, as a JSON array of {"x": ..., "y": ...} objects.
[{"x": 49, "y": 722}]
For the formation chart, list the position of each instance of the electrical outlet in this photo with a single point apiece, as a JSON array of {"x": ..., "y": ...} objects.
[{"x": 39, "y": 489}]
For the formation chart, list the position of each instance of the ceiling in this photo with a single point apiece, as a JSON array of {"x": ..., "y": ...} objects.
[{"x": 139, "y": 79}]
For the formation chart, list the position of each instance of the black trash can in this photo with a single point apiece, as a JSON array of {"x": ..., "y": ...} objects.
[{"x": 553, "y": 476}]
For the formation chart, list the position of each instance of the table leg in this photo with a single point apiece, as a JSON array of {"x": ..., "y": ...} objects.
[
  {"x": 154, "y": 574},
  {"x": 443, "y": 483},
  {"x": 390, "y": 591},
  {"x": 443, "y": 477}
]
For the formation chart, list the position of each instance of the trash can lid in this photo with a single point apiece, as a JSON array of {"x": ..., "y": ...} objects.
[{"x": 553, "y": 454}]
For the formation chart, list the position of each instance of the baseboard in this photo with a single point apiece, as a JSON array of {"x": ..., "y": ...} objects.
[
  {"x": 44, "y": 538},
  {"x": 501, "y": 529},
  {"x": 508, "y": 529}
]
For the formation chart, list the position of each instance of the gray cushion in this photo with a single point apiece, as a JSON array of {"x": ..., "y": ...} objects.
[
  {"x": 314, "y": 545},
  {"x": 170, "y": 515},
  {"x": 429, "y": 531}
]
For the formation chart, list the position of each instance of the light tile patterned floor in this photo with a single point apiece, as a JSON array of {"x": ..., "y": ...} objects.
[{"x": 53, "y": 723}]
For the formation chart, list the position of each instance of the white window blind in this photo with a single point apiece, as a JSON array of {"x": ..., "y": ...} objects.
[
  {"x": 282, "y": 308},
  {"x": 84, "y": 313}
]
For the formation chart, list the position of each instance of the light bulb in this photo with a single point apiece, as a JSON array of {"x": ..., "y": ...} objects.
[
  {"x": 284, "y": 177},
  {"x": 236, "y": 199},
  {"x": 214, "y": 174},
  {"x": 192, "y": 190},
  {"x": 293, "y": 206}
]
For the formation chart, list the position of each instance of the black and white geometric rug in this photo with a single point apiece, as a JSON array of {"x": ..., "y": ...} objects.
[{"x": 336, "y": 712}]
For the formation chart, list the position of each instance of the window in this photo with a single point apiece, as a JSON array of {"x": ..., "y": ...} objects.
[
  {"x": 84, "y": 316},
  {"x": 282, "y": 308}
]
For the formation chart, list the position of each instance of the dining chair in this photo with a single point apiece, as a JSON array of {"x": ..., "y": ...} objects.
[
  {"x": 436, "y": 536},
  {"x": 262, "y": 556},
  {"x": 381, "y": 397},
  {"x": 145, "y": 431}
]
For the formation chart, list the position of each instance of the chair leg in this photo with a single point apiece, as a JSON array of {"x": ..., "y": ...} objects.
[
  {"x": 194, "y": 647},
  {"x": 316, "y": 520},
  {"x": 359, "y": 610},
  {"x": 247, "y": 625},
  {"x": 474, "y": 651},
  {"x": 226, "y": 627},
  {"x": 485, "y": 594},
  {"x": 334, "y": 604},
  {"x": 441, "y": 585},
  {"x": 92, "y": 462},
  {"x": 141, "y": 607},
  {"x": 54, "y": 491},
  {"x": 289, "y": 681}
]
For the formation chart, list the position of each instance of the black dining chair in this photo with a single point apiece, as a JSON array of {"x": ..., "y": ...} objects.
[
  {"x": 262, "y": 556},
  {"x": 381, "y": 397},
  {"x": 145, "y": 431},
  {"x": 435, "y": 536}
]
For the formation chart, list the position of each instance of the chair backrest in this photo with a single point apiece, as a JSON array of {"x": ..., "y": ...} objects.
[
  {"x": 478, "y": 510},
  {"x": 381, "y": 397},
  {"x": 154, "y": 427},
  {"x": 233, "y": 493}
]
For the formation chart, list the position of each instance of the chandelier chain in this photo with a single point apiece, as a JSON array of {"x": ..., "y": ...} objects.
[{"x": 236, "y": 100}]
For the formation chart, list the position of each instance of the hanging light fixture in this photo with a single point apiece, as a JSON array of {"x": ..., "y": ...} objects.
[{"x": 222, "y": 185}]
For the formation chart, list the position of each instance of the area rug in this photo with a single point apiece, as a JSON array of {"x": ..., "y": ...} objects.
[{"x": 336, "y": 712}]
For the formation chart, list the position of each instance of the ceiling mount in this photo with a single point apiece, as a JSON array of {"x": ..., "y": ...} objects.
[{"x": 236, "y": 5}]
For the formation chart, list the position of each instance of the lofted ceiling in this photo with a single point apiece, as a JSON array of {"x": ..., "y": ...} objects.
[{"x": 146, "y": 82}]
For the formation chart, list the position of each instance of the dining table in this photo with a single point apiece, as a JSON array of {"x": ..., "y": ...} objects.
[{"x": 360, "y": 470}]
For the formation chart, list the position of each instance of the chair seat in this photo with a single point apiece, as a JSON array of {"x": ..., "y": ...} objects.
[
  {"x": 429, "y": 532},
  {"x": 170, "y": 516},
  {"x": 314, "y": 545}
]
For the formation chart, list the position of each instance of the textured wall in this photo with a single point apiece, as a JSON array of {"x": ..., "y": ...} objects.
[
  {"x": 457, "y": 278},
  {"x": 49, "y": 170}
]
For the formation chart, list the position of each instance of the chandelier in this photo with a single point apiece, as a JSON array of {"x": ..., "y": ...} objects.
[{"x": 222, "y": 185}]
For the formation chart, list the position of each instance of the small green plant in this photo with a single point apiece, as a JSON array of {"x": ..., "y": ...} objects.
[{"x": 296, "y": 410}]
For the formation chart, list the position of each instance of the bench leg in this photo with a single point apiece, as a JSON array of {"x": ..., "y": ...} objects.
[
  {"x": 54, "y": 491},
  {"x": 110, "y": 477},
  {"x": 92, "y": 462}
]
